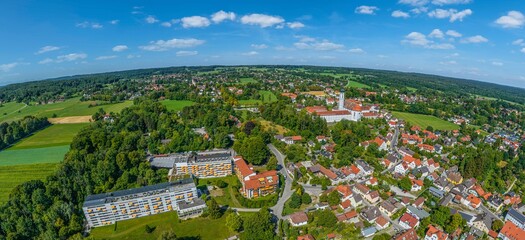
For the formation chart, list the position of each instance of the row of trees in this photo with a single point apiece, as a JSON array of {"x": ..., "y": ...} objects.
[{"x": 14, "y": 131}]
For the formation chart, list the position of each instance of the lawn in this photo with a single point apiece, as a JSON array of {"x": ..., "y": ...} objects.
[
  {"x": 198, "y": 228},
  {"x": 226, "y": 196},
  {"x": 247, "y": 80},
  {"x": 55, "y": 154},
  {"x": 12, "y": 176},
  {"x": 54, "y": 135},
  {"x": 267, "y": 96},
  {"x": 425, "y": 121},
  {"x": 267, "y": 125},
  {"x": 70, "y": 107},
  {"x": 354, "y": 84},
  {"x": 176, "y": 105}
]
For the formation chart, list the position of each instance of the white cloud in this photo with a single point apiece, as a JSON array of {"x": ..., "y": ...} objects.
[
  {"x": 87, "y": 24},
  {"x": 448, "y": 63},
  {"x": 400, "y": 14},
  {"x": 436, "y": 33},
  {"x": 130, "y": 56},
  {"x": 47, "y": 49},
  {"x": 166, "y": 24},
  {"x": 106, "y": 57},
  {"x": 452, "y": 14},
  {"x": 523, "y": 50},
  {"x": 114, "y": 22},
  {"x": 251, "y": 53},
  {"x": 419, "y": 10},
  {"x": 8, "y": 66},
  {"x": 453, "y": 33},
  {"x": 294, "y": 25},
  {"x": 221, "y": 15},
  {"x": 186, "y": 53},
  {"x": 71, "y": 57},
  {"x": 356, "y": 50},
  {"x": 497, "y": 63},
  {"x": 151, "y": 19},
  {"x": 414, "y": 2},
  {"x": 262, "y": 20},
  {"x": 449, "y": 2},
  {"x": 120, "y": 48},
  {"x": 419, "y": 39},
  {"x": 324, "y": 45},
  {"x": 164, "y": 45},
  {"x": 519, "y": 42},
  {"x": 475, "y": 39},
  {"x": 259, "y": 46},
  {"x": 195, "y": 22},
  {"x": 370, "y": 10},
  {"x": 513, "y": 19},
  {"x": 46, "y": 61}
]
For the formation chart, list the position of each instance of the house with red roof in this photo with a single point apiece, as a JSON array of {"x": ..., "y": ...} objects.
[
  {"x": 255, "y": 185},
  {"x": 408, "y": 221},
  {"x": 435, "y": 234},
  {"x": 511, "y": 232},
  {"x": 417, "y": 185}
]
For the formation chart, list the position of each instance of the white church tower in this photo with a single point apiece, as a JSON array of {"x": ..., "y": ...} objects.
[{"x": 341, "y": 100}]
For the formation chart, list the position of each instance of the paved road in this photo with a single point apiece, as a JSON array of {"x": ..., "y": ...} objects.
[
  {"x": 246, "y": 209},
  {"x": 400, "y": 192},
  {"x": 314, "y": 190},
  {"x": 393, "y": 148},
  {"x": 287, "y": 191},
  {"x": 487, "y": 211}
]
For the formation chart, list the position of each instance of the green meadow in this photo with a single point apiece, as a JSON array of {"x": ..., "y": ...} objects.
[
  {"x": 425, "y": 121},
  {"x": 12, "y": 176},
  {"x": 176, "y": 105}
]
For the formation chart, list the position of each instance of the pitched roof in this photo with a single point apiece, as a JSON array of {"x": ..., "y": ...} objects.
[
  {"x": 264, "y": 179},
  {"x": 409, "y": 220},
  {"x": 306, "y": 237},
  {"x": 511, "y": 231},
  {"x": 299, "y": 217},
  {"x": 327, "y": 172},
  {"x": 243, "y": 167},
  {"x": 410, "y": 234},
  {"x": 434, "y": 231},
  {"x": 381, "y": 221}
]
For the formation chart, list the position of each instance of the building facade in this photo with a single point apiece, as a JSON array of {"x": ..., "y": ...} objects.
[
  {"x": 255, "y": 185},
  {"x": 108, "y": 208},
  {"x": 207, "y": 164}
]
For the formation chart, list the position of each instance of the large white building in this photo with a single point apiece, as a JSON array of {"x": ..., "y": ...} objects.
[
  {"x": 206, "y": 164},
  {"x": 346, "y": 110},
  {"x": 108, "y": 208}
]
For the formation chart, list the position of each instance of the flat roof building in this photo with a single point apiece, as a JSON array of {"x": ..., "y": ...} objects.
[
  {"x": 207, "y": 164},
  {"x": 108, "y": 208}
]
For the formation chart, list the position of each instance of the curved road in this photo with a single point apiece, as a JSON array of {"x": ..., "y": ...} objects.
[{"x": 287, "y": 191}]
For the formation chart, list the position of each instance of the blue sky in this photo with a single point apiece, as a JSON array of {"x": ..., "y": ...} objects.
[{"x": 471, "y": 39}]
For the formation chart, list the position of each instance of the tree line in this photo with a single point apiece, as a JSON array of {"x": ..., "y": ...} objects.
[{"x": 14, "y": 131}]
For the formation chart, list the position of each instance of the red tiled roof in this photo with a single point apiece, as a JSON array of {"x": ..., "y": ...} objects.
[
  {"x": 410, "y": 234},
  {"x": 434, "y": 231},
  {"x": 381, "y": 221},
  {"x": 409, "y": 220},
  {"x": 299, "y": 217},
  {"x": 327, "y": 172},
  {"x": 344, "y": 190},
  {"x": 262, "y": 180},
  {"x": 511, "y": 231},
  {"x": 333, "y": 113},
  {"x": 297, "y": 138},
  {"x": 316, "y": 109},
  {"x": 242, "y": 166},
  {"x": 306, "y": 237},
  {"x": 346, "y": 204}
]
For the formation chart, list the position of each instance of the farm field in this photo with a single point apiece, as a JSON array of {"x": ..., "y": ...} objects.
[
  {"x": 55, "y": 154},
  {"x": 176, "y": 105},
  {"x": 12, "y": 176},
  {"x": 54, "y": 135},
  {"x": 198, "y": 228},
  {"x": 247, "y": 80},
  {"x": 266, "y": 97},
  {"x": 425, "y": 121},
  {"x": 355, "y": 84},
  {"x": 70, "y": 107}
]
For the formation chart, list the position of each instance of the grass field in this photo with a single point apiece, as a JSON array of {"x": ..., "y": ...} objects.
[
  {"x": 12, "y": 176},
  {"x": 198, "y": 228},
  {"x": 247, "y": 80},
  {"x": 54, "y": 135},
  {"x": 267, "y": 125},
  {"x": 226, "y": 198},
  {"x": 176, "y": 105},
  {"x": 70, "y": 107},
  {"x": 266, "y": 97},
  {"x": 425, "y": 121},
  {"x": 10, "y": 157},
  {"x": 355, "y": 84}
]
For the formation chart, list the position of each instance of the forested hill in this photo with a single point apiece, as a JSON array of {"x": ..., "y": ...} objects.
[
  {"x": 456, "y": 85},
  {"x": 67, "y": 87}
]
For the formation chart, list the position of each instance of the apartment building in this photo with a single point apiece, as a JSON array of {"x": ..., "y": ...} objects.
[{"x": 208, "y": 164}]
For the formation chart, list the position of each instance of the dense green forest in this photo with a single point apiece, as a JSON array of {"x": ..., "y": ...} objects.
[{"x": 14, "y": 131}]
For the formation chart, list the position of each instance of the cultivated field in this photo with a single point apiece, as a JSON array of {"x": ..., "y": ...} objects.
[
  {"x": 68, "y": 120},
  {"x": 12, "y": 176},
  {"x": 54, "y": 135},
  {"x": 198, "y": 228},
  {"x": 355, "y": 84},
  {"x": 10, "y": 157},
  {"x": 266, "y": 97},
  {"x": 70, "y": 107},
  {"x": 176, "y": 105},
  {"x": 425, "y": 121}
]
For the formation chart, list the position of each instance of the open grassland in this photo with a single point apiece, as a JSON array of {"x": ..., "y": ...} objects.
[
  {"x": 198, "y": 228},
  {"x": 268, "y": 126},
  {"x": 70, "y": 107},
  {"x": 266, "y": 97},
  {"x": 10, "y": 157},
  {"x": 354, "y": 84},
  {"x": 54, "y": 135},
  {"x": 12, "y": 176},
  {"x": 69, "y": 120},
  {"x": 247, "y": 80},
  {"x": 176, "y": 105},
  {"x": 425, "y": 121}
]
